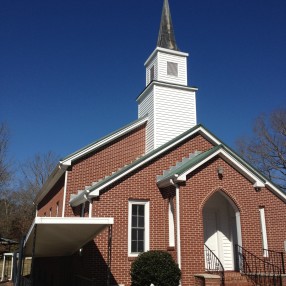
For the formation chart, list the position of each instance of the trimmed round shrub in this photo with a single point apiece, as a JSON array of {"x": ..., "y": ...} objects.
[{"x": 155, "y": 267}]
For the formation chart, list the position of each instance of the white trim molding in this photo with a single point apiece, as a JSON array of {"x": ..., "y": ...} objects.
[{"x": 263, "y": 231}]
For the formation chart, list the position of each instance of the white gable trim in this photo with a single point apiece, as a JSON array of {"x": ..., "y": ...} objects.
[
  {"x": 94, "y": 191},
  {"x": 200, "y": 129},
  {"x": 105, "y": 141},
  {"x": 65, "y": 163},
  {"x": 232, "y": 161}
]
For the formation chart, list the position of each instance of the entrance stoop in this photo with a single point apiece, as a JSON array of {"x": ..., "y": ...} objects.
[{"x": 231, "y": 278}]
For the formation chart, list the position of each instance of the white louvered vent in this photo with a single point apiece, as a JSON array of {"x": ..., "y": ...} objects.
[
  {"x": 152, "y": 73},
  {"x": 172, "y": 69}
]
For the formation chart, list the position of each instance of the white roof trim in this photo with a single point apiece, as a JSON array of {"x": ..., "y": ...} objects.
[
  {"x": 276, "y": 190},
  {"x": 167, "y": 51},
  {"x": 95, "y": 192},
  {"x": 164, "y": 84},
  {"x": 104, "y": 141},
  {"x": 64, "y": 164},
  {"x": 57, "y": 236},
  {"x": 237, "y": 165}
]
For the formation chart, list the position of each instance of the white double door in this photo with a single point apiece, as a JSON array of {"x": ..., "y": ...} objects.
[{"x": 218, "y": 235}]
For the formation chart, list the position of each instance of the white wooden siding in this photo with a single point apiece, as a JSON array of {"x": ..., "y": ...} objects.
[
  {"x": 175, "y": 113},
  {"x": 146, "y": 106},
  {"x": 163, "y": 58}
]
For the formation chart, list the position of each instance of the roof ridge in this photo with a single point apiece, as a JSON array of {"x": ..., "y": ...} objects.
[{"x": 101, "y": 139}]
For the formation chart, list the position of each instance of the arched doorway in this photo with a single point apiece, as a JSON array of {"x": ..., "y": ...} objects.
[{"x": 222, "y": 228}]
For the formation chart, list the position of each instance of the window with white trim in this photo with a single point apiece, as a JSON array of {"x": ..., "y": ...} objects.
[
  {"x": 57, "y": 209},
  {"x": 172, "y": 69},
  {"x": 171, "y": 223},
  {"x": 263, "y": 231},
  {"x": 138, "y": 227}
]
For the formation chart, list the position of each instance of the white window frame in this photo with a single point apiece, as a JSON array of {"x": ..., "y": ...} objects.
[
  {"x": 57, "y": 209},
  {"x": 146, "y": 225},
  {"x": 172, "y": 69},
  {"x": 263, "y": 231},
  {"x": 171, "y": 224}
]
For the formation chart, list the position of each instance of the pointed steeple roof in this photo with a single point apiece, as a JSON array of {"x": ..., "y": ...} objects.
[{"x": 166, "y": 37}]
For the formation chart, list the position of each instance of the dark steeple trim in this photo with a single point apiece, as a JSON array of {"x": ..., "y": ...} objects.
[{"x": 166, "y": 37}]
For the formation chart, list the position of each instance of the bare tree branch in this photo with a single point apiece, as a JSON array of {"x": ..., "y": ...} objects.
[{"x": 266, "y": 149}]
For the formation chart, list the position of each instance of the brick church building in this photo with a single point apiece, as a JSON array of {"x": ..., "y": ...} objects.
[{"x": 162, "y": 182}]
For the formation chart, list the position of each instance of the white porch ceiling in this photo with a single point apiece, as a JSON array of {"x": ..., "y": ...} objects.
[{"x": 57, "y": 236}]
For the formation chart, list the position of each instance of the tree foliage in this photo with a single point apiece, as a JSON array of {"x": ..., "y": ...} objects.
[
  {"x": 5, "y": 172},
  {"x": 266, "y": 149},
  {"x": 35, "y": 172},
  {"x": 6, "y": 198},
  {"x": 155, "y": 267},
  {"x": 17, "y": 196}
]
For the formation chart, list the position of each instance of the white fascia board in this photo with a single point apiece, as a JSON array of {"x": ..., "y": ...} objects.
[
  {"x": 209, "y": 136},
  {"x": 232, "y": 161},
  {"x": 68, "y": 220},
  {"x": 96, "y": 191},
  {"x": 105, "y": 141},
  {"x": 167, "y": 51},
  {"x": 164, "y": 84},
  {"x": 73, "y": 220},
  {"x": 276, "y": 190},
  {"x": 51, "y": 181},
  {"x": 82, "y": 198},
  {"x": 57, "y": 236}
]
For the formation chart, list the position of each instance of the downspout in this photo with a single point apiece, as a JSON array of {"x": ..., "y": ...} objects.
[{"x": 178, "y": 221}]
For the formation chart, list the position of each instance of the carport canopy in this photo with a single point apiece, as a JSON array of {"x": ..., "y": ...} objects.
[{"x": 58, "y": 236}]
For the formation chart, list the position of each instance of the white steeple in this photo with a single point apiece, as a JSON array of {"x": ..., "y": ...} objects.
[{"x": 167, "y": 99}]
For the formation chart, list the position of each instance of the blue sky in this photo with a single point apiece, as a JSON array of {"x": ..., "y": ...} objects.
[{"x": 71, "y": 70}]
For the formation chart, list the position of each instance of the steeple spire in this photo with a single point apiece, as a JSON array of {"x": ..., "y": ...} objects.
[{"x": 166, "y": 37}]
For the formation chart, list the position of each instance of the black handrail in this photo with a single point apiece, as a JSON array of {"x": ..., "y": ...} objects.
[
  {"x": 258, "y": 270},
  {"x": 213, "y": 265},
  {"x": 276, "y": 258}
]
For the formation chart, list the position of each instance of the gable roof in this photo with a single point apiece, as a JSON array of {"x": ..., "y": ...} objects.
[
  {"x": 180, "y": 172},
  {"x": 63, "y": 164},
  {"x": 96, "y": 187},
  {"x": 104, "y": 140}
]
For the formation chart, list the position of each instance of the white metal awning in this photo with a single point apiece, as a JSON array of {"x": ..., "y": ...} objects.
[{"x": 57, "y": 236}]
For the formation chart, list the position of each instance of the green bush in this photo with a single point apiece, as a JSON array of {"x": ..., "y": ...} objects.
[{"x": 155, "y": 267}]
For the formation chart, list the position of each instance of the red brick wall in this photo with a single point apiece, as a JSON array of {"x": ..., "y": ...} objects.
[
  {"x": 92, "y": 167},
  {"x": 141, "y": 184},
  {"x": 54, "y": 197},
  {"x": 104, "y": 161},
  {"x": 205, "y": 182}
]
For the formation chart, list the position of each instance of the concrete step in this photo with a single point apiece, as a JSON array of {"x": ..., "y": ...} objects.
[{"x": 233, "y": 278}]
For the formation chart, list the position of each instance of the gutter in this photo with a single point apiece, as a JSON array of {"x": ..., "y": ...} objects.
[
  {"x": 83, "y": 197},
  {"x": 52, "y": 180}
]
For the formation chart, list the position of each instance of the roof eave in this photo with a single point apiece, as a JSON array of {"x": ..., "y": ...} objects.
[{"x": 52, "y": 180}]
